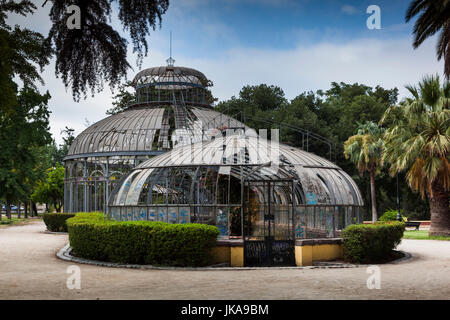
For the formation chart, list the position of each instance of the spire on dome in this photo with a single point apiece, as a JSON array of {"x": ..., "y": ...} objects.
[{"x": 170, "y": 61}]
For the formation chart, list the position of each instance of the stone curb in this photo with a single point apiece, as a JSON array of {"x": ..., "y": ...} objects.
[
  {"x": 406, "y": 256},
  {"x": 54, "y": 232},
  {"x": 65, "y": 254}
]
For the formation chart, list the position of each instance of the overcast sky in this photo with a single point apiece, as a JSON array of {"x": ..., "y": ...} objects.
[{"x": 298, "y": 45}]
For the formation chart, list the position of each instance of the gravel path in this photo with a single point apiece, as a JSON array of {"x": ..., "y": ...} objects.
[{"x": 30, "y": 270}]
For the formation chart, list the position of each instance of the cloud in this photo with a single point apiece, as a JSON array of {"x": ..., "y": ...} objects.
[
  {"x": 316, "y": 58},
  {"x": 348, "y": 9},
  {"x": 389, "y": 63}
]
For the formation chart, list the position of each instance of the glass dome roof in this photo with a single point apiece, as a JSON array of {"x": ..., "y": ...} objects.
[
  {"x": 146, "y": 131},
  {"x": 254, "y": 158},
  {"x": 169, "y": 76}
]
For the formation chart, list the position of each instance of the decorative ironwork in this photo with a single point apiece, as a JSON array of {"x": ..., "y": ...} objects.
[{"x": 268, "y": 253}]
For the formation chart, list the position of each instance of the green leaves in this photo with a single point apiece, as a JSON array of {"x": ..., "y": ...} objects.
[
  {"x": 371, "y": 243},
  {"x": 23, "y": 132},
  {"x": 433, "y": 17},
  {"x": 418, "y": 138},
  {"x": 96, "y": 53},
  {"x": 51, "y": 189},
  {"x": 56, "y": 222},
  {"x": 365, "y": 148},
  {"x": 144, "y": 242}
]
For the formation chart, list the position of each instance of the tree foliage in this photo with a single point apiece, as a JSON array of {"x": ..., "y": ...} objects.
[
  {"x": 418, "y": 141},
  {"x": 334, "y": 114},
  {"x": 22, "y": 51},
  {"x": 433, "y": 17},
  {"x": 51, "y": 190},
  {"x": 22, "y": 133},
  {"x": 23, "y": 110},
  {"x": 96, "y": 53},
  {"x": 365, "y": 150},
  {"x": 122, "y": 99},
  {"x": 366, "y": 147}
]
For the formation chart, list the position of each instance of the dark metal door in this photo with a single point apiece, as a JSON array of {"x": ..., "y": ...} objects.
[{"x": 268, "y": 223}]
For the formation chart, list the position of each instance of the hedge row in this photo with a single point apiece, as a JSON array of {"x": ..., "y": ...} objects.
[
  {"x": 56, "y": 222},
  {"x": 92, "y": 236},
  {"x": 371, "y": 243}
]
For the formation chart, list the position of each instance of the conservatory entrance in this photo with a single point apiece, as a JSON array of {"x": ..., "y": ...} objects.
[{"x": 268, "y": 229}]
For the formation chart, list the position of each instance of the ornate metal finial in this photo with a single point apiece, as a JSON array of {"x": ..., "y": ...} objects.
[{"x": 170, "y": 61}]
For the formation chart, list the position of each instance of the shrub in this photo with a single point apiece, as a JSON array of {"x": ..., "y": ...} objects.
[
  {"x": 92, "y": 236},
  {"x": 371, "y": 243},
  {"x": 56, "y": 222},
  {"x": 391, "y": 215}
]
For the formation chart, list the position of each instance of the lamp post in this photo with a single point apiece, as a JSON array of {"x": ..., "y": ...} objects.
[{"x": 399, "y": 216}]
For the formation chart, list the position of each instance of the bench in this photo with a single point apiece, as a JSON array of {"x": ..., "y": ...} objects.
[{"x": 412, "y": 224}]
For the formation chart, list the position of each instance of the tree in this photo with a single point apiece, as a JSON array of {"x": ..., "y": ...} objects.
[
  {"x": 434, "y": 17},
  {"x": 94, "y": 53},
  {"x": 68, "y": 137},
  {"x": 365, "y": 150},
  {"x": 122, "y": 99},
  {"x": 418, "y": 141},
  {"x": 20, "y": 51},
  {"x": 23, "y": 113},
  {"x": 261, "y": 101},
  {"x": 334, "y": 114},
  {"x": 263, "y": 97},
  {"x": 51, "y": 190},
  {"x": 22, "y": 132}
]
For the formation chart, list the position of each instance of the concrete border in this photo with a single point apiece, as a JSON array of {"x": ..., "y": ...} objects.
[
  {"x": 65, "y": 254},
  {"x": 54, "y": 232}
]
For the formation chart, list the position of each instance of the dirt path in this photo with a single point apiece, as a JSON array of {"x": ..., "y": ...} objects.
[{"x": 30, "y": 270}]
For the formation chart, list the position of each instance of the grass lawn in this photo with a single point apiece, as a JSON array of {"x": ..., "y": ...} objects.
[
  {"x": 6, "y": 222},
  {"x": 421, "y": 235}
]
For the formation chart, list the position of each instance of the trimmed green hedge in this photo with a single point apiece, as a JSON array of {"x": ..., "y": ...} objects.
[
  {"x": 92, "y": 236},
  {"x": 371, "y": 243},
  {"x": 391, "y": 215},
  {"x": 56, "y": 222}
]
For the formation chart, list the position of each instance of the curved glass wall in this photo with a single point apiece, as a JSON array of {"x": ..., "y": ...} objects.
[
  {"x": 170, "y": 110},
  {"x": 216, "y": 182}
]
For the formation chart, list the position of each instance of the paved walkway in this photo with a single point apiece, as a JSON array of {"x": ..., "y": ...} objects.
[{"x": 29, "y": 269}]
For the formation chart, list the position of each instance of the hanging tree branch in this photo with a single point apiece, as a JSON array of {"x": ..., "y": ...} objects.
[{"x": 96, "y": 53}]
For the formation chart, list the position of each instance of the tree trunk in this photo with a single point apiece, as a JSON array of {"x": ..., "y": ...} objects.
[
  {"x": 18, "y": 211},
  {"x": 58, "y": 207},
  {"x": 8, "y": 211},
  {"x": 440, "y": 213},
  {"x": 373, "y": 197},
  {"x": 26, "y": 210},
  {"x": 34, "y": 212}
]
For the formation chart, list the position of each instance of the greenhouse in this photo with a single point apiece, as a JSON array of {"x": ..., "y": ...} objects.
[
  {"x": 172, "y": 107},
  {"x": 169, "y": 156},
  {"x": 247, "y": 186}
]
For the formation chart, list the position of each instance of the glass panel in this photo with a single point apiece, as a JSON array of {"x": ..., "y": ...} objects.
[
  {"x": 185, "y": 215},
  {"x": 222, "y": 221},
  {"x": 300, "y": 222},
  {"x": 152, "y": 214},
  {"x": 129, "y": 216},
  {"x": 172, "y": 214},
  {"x": 162, "y": 214},
  {"x": 135, "y": 213}
]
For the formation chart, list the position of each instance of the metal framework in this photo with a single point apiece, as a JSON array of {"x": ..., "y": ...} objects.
[
  {"x": 170, "y": 157},
  {"x": 246, "y": 186},
  {"x": 171, "y": 109}
]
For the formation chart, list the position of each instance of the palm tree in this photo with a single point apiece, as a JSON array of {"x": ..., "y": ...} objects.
[
  {"x": 418, "y": 140},
  {"x": 434, "y": 17},
  {"x": 365, "y": 150}
]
